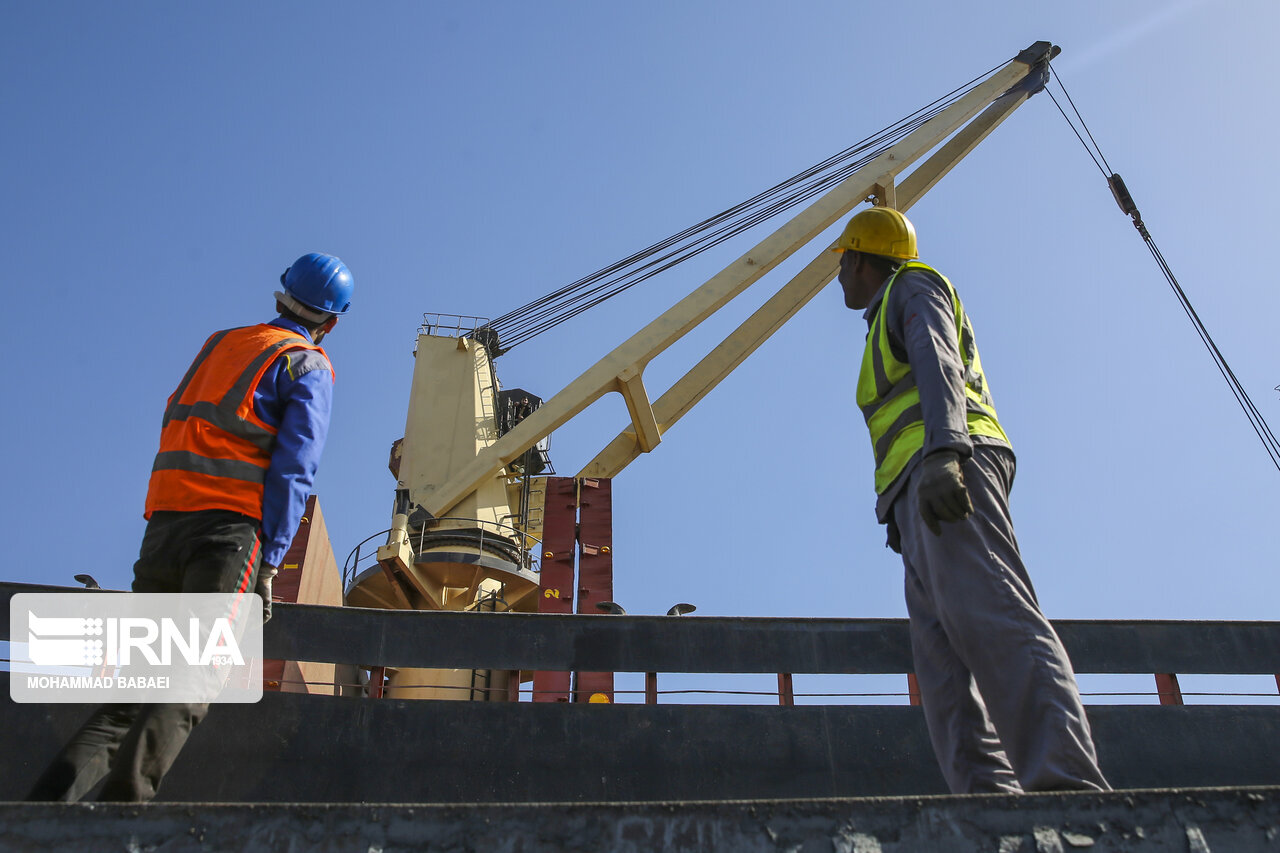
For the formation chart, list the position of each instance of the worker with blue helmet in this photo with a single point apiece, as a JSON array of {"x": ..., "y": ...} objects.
[
  {"x": 240, "y": 445},
  {"x": 316, "y": 286}
]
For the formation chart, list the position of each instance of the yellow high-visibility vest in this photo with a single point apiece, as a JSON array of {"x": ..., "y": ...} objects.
[{"x": 890, "y": 400}]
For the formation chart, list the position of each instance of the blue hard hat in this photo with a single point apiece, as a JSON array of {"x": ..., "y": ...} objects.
[{"x": 321, "y": 282}]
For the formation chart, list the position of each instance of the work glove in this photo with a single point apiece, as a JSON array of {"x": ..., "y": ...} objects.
[
  {"x": 266, "y": 574},
  {"x": 942, "y": 492}
]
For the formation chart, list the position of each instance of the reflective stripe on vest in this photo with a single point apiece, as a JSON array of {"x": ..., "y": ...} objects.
[
  {"x": 185, "y": 460},
  {"x": 214, "y": 449},
  {"x": 890, "y": 401}
]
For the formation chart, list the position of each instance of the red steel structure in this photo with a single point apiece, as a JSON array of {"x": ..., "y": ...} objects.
[{"x": 577, "y": 573}]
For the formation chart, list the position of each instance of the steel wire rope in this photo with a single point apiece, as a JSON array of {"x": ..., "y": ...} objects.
[
  {"x": 583, "y": 300},
  {"x": 591, "y": 298},
  {"x": 1125, "y": 200},
  {"x": 657, "y": 246},
  {"x": 521, "y": 324},
  {"x": 672, "y": 240},
  {"x": 586, "y": 299},
  {"x": 1072, "y": 102},
  {"x": 761, "y": 214},
  {"x": 1071, "y": 125},
  {"x": 1256, "y": 420}
]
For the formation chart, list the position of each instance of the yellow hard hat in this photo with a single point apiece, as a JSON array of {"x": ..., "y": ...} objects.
[{"x": 880, "y": 231}]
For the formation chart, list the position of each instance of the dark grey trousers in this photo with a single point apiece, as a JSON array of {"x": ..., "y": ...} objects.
[
  {"x": 999, "y": 695},
  {"x": 135, "y": 745}
]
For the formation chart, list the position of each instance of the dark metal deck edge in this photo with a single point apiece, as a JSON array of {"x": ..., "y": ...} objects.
[
  {"x": 292, "y": 748},
  {"x": 1240, "y": 820}
]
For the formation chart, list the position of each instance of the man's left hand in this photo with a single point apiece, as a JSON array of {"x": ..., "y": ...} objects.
[
  {"x": 943, "y": 494},
  {"x": 266, "y": 574}
]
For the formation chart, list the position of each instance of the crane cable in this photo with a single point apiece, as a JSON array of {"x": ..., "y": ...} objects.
[
  {"x": 523, "y": 323},
  {"x": 1130, "y": 209}
]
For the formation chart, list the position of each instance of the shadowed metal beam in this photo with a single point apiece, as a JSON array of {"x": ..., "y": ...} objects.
[{"x": 528, "y": 641}]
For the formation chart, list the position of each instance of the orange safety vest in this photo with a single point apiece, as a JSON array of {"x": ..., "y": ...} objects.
[{"x": 214, "y": 449}]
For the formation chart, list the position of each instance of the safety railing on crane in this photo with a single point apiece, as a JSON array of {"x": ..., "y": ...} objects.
[
  {"x": 454, "y": 325},
  {"x": 513, "y": 540}
]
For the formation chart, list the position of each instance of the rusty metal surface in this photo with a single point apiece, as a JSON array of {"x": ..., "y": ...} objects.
[
  {"x": 595, "y": 570},
  {"x": 555, "y": 594},
  {"x": 1198, "y": 821}
]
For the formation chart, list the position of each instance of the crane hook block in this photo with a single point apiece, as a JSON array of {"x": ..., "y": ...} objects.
[{"x": 1121, "y": 192}]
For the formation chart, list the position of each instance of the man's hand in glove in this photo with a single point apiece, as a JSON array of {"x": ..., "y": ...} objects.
[
  {"x": 943, "y": 494},
  {"x": 266, "y": 574}
]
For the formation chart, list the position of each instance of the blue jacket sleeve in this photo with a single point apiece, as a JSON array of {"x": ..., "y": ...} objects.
[{"x": 304, "y": 425}]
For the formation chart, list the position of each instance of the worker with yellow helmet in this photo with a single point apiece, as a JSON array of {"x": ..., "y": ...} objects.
[{"x": 998, "y": 691}]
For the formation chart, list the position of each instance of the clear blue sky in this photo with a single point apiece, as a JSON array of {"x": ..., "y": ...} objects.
[{"x": 161, "y": 164}]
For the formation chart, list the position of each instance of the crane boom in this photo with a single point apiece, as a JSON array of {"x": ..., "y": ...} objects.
[
  {"x": 622, "y": 370},
  {"x": 783, "y": 305}
]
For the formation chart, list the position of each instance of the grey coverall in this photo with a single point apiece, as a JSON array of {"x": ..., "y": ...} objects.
[{"x": 999, "y": 696}]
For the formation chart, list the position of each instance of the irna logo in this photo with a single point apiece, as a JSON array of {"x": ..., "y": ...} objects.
[
  {"x": 135, "y": 647},
  {"x": 129, "y": 640}
]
